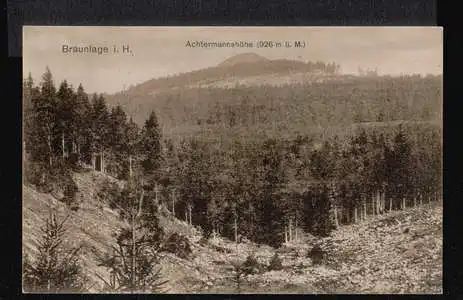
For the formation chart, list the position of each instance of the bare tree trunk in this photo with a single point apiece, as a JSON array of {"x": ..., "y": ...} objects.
[
  {"x": 235, "y": 224},
  {"x": 365, "y": 208},
  {"x": 381, "y": 202},
  {"x": 373, "y": 200},
  {"x": 50, "y": 151},
  {"x": 295, "y": 230},
  {"x": 78, "y": 152},
  {"x": 42, "y": 178},
  {"x": 335, "y": 211},
  {"x": 189, "y": 212},
  {"x": 132, "y": 273},
  {"x": 102, "y": 162},
  {"x": 156, "y": 198},
  {"x": 73, "y": 145},
  {"x": 186, "y": 216},
  {"x": 414, "y": 200},
  {"x": 63, "y": 145},
  {"x": 130, "y": 166},
  {"x": 377, "y": 202},
  {"x": 403, "y": 203},
  {"x": 173, "y": 202},
  {"x": 286, "y": 234},
  {"x": 93, "y": 162},
  {"x": 140, "y": 203},
  {"x": 355, "y": 215},
  {"x": 290, "y": 229},
  {"x": 390, "y": 204},
  {"x": 420, "y": 197},
  {"x": 384, "y": 202}
]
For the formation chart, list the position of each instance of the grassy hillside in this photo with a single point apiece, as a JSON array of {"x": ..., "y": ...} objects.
[{"x": 393, "y": 253}]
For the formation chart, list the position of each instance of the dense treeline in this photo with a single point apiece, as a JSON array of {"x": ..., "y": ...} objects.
[
  {"x": 65, "y": 130},
  {"x": 291, "y": 108},
  {"x": 67, "y": 127},
  {"x": 262, "y": 188}
]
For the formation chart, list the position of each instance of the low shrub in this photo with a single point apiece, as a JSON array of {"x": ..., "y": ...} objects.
[
  {"x": 275, "y": 263},
  {"x": 109, "y": 193},
  {"x": 317, "y": 255},
  {"x": 178, "y": 245},
  {"x": 251, "y": 265},
  {"x": 70, "y": 190},
  {"x": 47, "y": 180}
]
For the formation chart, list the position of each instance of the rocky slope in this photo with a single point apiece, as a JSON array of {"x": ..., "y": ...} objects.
[
  {"x": 396, "y": 253},
  {"x": 400, "y": 252}
]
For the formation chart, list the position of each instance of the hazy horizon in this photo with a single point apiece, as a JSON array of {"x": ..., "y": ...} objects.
[{"x": 393, "y": 50}]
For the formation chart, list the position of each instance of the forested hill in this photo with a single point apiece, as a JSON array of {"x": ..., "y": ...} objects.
[
  {"x": 265, "y": 189},
  {"x": 241, "y": 70},
  {"x": 242, "y": 65},
  {"x": 277, "y": 98},
  {"x": 244, "y": 58}
]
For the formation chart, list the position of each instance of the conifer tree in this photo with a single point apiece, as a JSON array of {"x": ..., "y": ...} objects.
[
  {"x": 100, "y": 128},
  {"x": 150, "y": 147},
  {"x": 30, "y": 93},
  {"x": 117, "y": 129},
  {"x": 270, "y": 219},
  {"x": 400, "y": 176},
  {"x": 133, "y": 261},
  {"x": 131, "y": 146},
  {"x": 117, "y": 144},
  {"x": 66, "y": 116},
  {"x": 55, "y": 269},
  {"x": 44, "y": 121},
  {"x": 83, "y": 122}
]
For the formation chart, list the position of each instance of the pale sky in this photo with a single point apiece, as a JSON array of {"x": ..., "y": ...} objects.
[{"x": 161, "y": 51}]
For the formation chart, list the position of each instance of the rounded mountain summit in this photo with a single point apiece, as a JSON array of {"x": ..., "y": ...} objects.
[{"x": 243, "y": 58}]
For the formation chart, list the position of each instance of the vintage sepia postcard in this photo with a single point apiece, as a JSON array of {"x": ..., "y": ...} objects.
[{"x": 232, "y": 160}]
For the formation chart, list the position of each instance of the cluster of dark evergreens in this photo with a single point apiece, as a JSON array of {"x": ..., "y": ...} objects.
[
  {"x": 65, "y": 125},
  {"x": 261, "y": 188},
  {"x": 65, "y": 131}
]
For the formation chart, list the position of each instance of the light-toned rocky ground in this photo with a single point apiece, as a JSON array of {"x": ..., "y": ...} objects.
[{"x": 376, "y": 256}]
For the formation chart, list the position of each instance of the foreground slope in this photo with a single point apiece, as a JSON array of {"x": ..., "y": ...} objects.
[
  {"x": 400, "y": 252},
  {"x": 91, "y": 227},
  {"x": 397, "y": 253}
]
